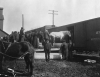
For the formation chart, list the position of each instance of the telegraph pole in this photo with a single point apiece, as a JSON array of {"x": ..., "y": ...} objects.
[
  {"x": 22, "y": 20},
  {"x": 53, "y": 13}
]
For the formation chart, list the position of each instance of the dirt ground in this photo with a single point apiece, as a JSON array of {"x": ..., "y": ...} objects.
[{"x": 59, "y": 68}]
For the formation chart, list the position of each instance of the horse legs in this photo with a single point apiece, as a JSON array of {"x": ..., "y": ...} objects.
[
  {"x": 29, "y": 63},
  {"x": 31, "y": 67},
  {"x": 1, "y": 58},
  {"x": 31, "y": 57},
  {"x": 26, "y": 58}
]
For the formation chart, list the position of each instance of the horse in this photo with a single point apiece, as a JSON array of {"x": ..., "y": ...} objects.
[
  {"x": 59, "y": 35},
  {"x": 13, "y": 51}
]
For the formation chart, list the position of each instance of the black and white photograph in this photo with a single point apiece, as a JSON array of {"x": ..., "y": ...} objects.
[{"x": 49, "y": 38}]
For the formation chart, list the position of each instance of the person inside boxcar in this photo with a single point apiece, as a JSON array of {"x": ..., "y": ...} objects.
[{"x": 64, "y": 50}]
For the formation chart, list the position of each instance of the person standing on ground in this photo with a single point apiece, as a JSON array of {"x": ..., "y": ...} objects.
[
  {"x": 64, "y": 50},
  {"x": 47, "y": 50},
  {"x": 66, "y": 43}
]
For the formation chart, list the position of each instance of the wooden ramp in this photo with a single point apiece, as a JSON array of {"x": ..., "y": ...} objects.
[
  {"x": 53, "y": 50},
  {"x": 53, "y": 55}
]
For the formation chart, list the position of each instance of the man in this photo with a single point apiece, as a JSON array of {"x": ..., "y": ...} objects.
[
  {"x": 40, "y": 35},
  {"x": 11, "y": 38},
  {"x": 47, "y": 49},
  {"x": 35, "y": 41},
  {"x": 46, "y": 35},
  {"x": 22, "y": 31},
  {"x": 67, "y": 40},
  {"x": 64, "y": 50},
  {"x": 52, "y": 40},
  {"x": 21, "y": 34},
  {"x": 16, "y": 36}
]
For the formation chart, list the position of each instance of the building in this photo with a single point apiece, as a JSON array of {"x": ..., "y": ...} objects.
[{"x": 2, "y": 33}]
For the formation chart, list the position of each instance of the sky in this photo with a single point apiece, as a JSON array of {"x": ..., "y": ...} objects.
[{"x": 36, "y": 12}]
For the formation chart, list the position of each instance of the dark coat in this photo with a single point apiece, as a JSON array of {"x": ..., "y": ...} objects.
[
  {"x": 23, "y": 38},
  {"x": 64, "y": 50},
  {"x": 47, "y": 47},
  {"x": 66, "y": 38},
  {"x": 11, "y": 39},
  {"x": 46, "y": 35},
  {"x": 35, "y": 41},
  {"x": 40, "y": 35},
  {"x": 16, "y": 36},
  {"x": 22, "y": 32},
  {"x": 64, "y": 47}
]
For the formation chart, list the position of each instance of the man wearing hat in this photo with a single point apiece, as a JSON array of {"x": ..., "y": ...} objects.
[{"x": 47, "y": 49}]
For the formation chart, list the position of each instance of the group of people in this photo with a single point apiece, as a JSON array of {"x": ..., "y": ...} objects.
[
  {"x": 66, "y": 48},
  {"x": 35, "y": 37},
  {"x": 14, "y": 36},
  {"x": 21, "y": 36}
]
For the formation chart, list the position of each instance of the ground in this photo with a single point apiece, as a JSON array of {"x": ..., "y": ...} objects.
[{"x": 59, "y": 68}]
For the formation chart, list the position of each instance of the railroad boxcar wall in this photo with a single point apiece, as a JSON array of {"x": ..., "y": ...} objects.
[
  {"x": 86, "y": 34},
  {"x": 57, "y": 29},
  {"x": 93, "y": 34},
  {"x": 80, "y": 35}
]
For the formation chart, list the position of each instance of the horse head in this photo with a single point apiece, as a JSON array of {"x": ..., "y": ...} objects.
[{"x": 3, "y": 46}]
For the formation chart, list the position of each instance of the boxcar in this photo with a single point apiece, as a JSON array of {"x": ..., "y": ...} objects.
[{"x": 85, "y": 34}]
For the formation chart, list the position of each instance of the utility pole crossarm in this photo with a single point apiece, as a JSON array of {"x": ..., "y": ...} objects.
[
  {"x": 52, "y": 13},
  {"x": 53, "y": 10}
]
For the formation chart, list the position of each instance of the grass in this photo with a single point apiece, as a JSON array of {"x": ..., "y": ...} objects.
[{"x": 59, "y": 68}]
